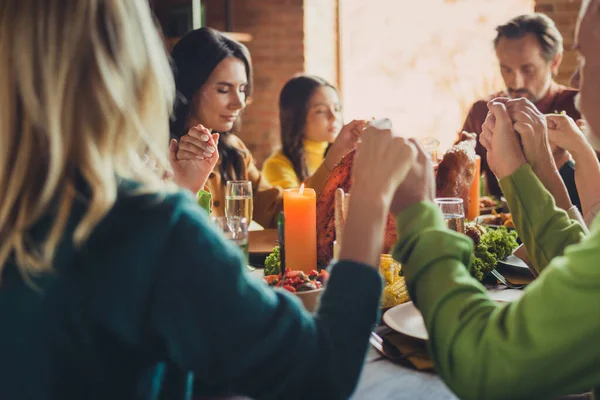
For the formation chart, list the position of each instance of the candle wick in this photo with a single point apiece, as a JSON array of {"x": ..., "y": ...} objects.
[{"x": 301, "y": 191}]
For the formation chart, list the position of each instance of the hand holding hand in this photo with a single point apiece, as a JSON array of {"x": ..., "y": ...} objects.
[
  {"x": 504, "y": 152},
  {"x": 530, "y": 124},
  {"x": 381, "y": 164},
  {"x": 565, "y": 133},
  {"x": 197, "y": 145},
  {"x": 192, "y": 163}
]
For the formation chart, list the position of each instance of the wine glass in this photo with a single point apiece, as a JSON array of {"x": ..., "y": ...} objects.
[
  {"x": 238, "y": 199},
  {"x": 234, "y": 229},
  {"x": 454, "y": 212}
]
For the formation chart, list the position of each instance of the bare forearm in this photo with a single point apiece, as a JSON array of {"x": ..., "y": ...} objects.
[
  {"x": 587, "y": 176},
  {"x": 552, "y": 181},
  {"x": 363, "y": 232},
  {"x": 193, "y": 187}
]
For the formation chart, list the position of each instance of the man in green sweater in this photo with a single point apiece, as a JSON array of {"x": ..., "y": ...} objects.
[{"x": 545, "y": 344}]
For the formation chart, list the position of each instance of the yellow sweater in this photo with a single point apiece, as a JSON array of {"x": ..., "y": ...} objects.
[{"x": 279, "y": 171}]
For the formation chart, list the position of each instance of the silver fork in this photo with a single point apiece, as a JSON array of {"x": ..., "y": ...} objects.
[{"x": 505, "y": 281}]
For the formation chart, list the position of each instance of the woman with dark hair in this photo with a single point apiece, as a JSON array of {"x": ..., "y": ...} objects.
[
  {"x": 310, "y": 119},
  {"x": 213, "y": 77}
]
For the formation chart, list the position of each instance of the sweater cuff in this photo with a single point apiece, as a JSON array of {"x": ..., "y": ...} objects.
[
  {"x": 591, "y": 215},
  {"x": 411, "y": 222},
  {"x": 575, "y": 215},
  {"x": 423, "y": 240},
  {"x": 354, "y": 287}
]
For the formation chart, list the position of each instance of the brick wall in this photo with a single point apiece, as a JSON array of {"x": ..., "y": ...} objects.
[{"x": 564, "y": 13}]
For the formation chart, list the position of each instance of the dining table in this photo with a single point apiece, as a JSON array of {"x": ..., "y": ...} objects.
[
  {"x": 385, "y": 378},
  {"x": 382, "y": 378}
]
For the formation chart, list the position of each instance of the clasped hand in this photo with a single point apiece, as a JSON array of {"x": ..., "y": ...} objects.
[
  {"x": 394, "y": 169},
  {"x": 515, "y": 133},
  {"x": 194, "y": 157}
]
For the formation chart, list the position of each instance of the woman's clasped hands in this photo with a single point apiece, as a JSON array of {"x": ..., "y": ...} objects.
[{"x": 194, "y": 157}]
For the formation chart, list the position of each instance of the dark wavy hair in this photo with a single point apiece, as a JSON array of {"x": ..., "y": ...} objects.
[
  {"x": 195, "y": 57},
  {"x": 294, "y": 102},
  {"x": 538, "y": 24}
]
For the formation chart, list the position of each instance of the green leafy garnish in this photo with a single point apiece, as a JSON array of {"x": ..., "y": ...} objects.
[
  {"x": 495, "y": 245},
  {"x": 272, "y": 263}
]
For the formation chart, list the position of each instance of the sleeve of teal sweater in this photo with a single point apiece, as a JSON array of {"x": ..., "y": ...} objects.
[
  {"x": 240, "y": 336},
  {"x": 544, "y": 229},
  {"x": 543, "y": 345}
]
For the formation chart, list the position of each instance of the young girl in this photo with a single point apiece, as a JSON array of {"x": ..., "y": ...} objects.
[
  {"x": 310, "y": 118},
  {"x": 213, "y": 76},
  {"x": 106, "y": 272}
]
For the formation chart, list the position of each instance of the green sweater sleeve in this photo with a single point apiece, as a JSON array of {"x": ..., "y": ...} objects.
[
  {"x": 239, "y": 336},
  {"x": 544, "y": 229},
  {"x": 543, "y": 345},
  {"x": 204, "y": 197}
]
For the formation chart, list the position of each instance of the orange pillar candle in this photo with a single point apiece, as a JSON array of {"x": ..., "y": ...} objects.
[
  {"x": 474, "y": 191},
  {"x": 300, "y": 211}
]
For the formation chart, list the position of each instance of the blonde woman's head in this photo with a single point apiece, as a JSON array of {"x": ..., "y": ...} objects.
[{"x": 86, "y": 90}]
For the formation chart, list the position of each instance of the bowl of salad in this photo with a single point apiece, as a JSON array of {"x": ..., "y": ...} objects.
[{"x": 307, "y": 286}]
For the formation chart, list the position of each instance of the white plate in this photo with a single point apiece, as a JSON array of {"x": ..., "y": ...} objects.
[{"x": 407, "y": 319}]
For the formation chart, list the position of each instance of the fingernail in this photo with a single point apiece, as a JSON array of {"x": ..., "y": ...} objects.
[
  {"x": 200, "y": 157},
  {"x": 207, "y": 155},
  {"x": 210, "y": 149},
  {"x": 204, "y": 138}
]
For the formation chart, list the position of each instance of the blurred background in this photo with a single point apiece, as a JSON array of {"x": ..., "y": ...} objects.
[{"x": 420, "y": 63}]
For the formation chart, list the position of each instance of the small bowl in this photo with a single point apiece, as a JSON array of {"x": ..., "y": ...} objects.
[{"x": 310, "y": 298}]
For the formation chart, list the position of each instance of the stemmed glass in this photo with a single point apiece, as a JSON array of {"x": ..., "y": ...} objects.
[{"x": 238, "y": 199}]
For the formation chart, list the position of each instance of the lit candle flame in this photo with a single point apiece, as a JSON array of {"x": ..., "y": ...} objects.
[{"x": 301, "y": 191}]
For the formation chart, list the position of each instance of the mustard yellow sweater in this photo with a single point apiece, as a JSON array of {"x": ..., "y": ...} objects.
[{"x": 279, "y": 171}]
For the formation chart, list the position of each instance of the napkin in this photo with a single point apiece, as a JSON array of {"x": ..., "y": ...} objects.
[{"x": 407, "y": 345}]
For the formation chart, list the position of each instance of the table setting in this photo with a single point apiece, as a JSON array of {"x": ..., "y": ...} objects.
[{"x": 310, "y": 233}]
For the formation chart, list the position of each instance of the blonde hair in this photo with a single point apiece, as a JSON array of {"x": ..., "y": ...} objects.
[{"x": 86, "y": 89}]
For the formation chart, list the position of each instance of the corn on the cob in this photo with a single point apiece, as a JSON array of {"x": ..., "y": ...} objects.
[
  {"x": 395, "y": 293},
  {"x": 389, "y": 268}
]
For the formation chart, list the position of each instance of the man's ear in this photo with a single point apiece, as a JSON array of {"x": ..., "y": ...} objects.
[{"x": 555, "y": 64}]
